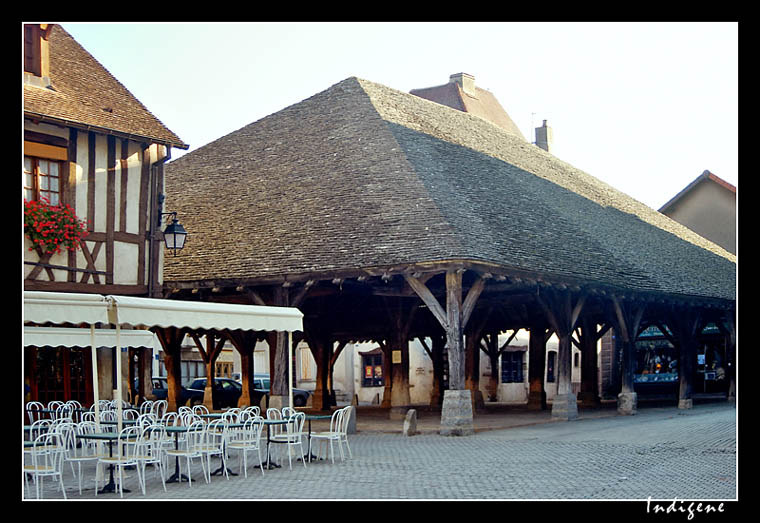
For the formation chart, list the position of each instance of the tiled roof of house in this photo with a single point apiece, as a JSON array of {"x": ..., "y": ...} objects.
[
  {"x": 364, "y": 176},
  {"x": 472, "y": 99},
  {"x": 82, "y": 93}
]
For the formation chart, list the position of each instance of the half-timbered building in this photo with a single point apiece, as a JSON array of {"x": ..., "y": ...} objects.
[
  {"x": 387, "y": 217},
  {"x": 89, "y": 144}
]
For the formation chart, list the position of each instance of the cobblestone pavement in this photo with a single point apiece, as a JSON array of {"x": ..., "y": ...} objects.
[{"x": 663, "y": 453}]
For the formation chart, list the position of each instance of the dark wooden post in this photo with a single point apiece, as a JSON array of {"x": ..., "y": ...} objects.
[
  {"x": 456, "y": 411},
  {"x": 684, "y": 324},
  {"x": 730, "y": 325},
  {"x": 539, "y": 335},
  {"x": 436, "y": 355},
  {"x": 400, "y": 322},
  {"x": 209, "y": 354},
  {"x": 245, "y": 344},
  {"x": 562, "y": 312},
  {"x": 171, "y": 342},
  {"x": 628, "y": 319},
  {"x": 589, "y": 333},
  {"x": 320, "y": 343}
]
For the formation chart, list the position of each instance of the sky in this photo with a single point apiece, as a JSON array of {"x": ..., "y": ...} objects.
[{"x": 645, "y": 107}]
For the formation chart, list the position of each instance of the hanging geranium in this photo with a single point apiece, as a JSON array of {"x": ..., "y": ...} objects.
[{"x": 52, "y": 227}]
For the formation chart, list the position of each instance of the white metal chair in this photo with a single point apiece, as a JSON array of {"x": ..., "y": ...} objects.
[
  {"x": 213, "y": 444},
  {"x": 199, "y": 409},
  {"x": 247, "y": 438},
  {"x": 124, "y": 456},
  {"x": 34, "y": 411},
  {"x": 345, "y": 420},
  {"x": 149, "y": 451},
  {"x": 248, "y": 412},
  {"x": 79, "y": 450},
  {"x": 146, "y": 407},
  {"x": 292, "y": 437},
  {"x": 328, "y": 436},
  {"x": 193, "y": 440},
  {"x": 45, "y": 459},
  {"x": 158, "y": 408}
]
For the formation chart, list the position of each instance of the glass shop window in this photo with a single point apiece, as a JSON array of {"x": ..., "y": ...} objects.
[{"x": 372, "y": 375}]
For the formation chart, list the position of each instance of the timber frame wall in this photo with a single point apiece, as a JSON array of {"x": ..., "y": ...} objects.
[{"x": 113, "y": 183}]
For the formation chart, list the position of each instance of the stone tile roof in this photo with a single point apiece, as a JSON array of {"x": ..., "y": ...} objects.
[
  {"x": 364, "y": 176},
  {"x": 84, "y": 94}
]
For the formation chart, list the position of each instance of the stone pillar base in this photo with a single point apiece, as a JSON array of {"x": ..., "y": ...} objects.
[
  {"x": 589, "y": 399},
  {"x": 278, "y": 402},
  {"x": 456, "y": 413},
  {"x": 627, "y": 403},
  {"x": 397, "y": 413},
  {"x": 685, "y": 403},
  {"x": 565, "y": 407}
]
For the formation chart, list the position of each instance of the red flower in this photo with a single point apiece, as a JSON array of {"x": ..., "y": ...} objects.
[{"x": 51, "y": 227}]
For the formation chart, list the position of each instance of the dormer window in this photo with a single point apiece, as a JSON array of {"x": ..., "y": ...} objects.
[{"x": 36, "y": 54}]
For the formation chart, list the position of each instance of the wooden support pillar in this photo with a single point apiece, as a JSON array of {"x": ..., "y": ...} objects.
[
  {"x": 456, "y": 411},
  {"x": 171, "y": 342},
  {"x": 210, "y": 353},
  {"x": 730, "y": 325},
  {"x": 562, "y": 310},
  {"x": 400, "y": 315},
  {"x": 334, "y": 354},
  {"x": 539, "y": 335},
  {"x": 473, "y": 340},
  {"x": 628, "y": 319},
  {"x": 320, "y": 344},
  {"x": 589, "y": 333},
  {"x": 245, "y": 344},
  {"x": 685, "y": 325},
  {"x": 436, "y": 356}
]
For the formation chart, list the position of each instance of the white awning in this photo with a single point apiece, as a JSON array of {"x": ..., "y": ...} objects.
[
  {"x": 59, "y": 307},
  {"x": 66, "y": 337},
  {"x": 152, "y": 312},
  {"x": 62, "y": 307}
]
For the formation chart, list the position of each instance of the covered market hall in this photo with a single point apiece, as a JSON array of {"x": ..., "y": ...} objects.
[{"x": 385, "y": 217}]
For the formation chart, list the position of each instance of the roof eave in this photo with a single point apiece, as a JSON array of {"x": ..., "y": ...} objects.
[{"x": 103, "y": 130}]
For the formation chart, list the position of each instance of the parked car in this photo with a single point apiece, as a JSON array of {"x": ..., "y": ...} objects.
[
  {"x": 261, "y": 383},
  {"x": 160, "y": 390},
  {"x": 227, "y": 393}
]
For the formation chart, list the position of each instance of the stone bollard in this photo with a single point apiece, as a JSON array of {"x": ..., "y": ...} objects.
[
  {"x": 456, "y": 413},
  {"x": 351, "y": 427},
  {"x": 410, "y": 423}
]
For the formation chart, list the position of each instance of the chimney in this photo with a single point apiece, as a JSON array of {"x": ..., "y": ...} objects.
[
  {"x": 465, "y": 81},
  {"x": 544, "y": 137}
]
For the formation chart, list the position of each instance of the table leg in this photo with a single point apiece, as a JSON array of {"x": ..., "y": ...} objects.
[
  {"x": 110, "y": 487},
  {"x": 177, "y": 477},
  {"x": 270, "y": 466},
  {"x": 223, "y": 466}
]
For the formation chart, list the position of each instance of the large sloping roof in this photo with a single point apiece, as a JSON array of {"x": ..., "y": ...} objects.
[
  {"x": 82, "y": 93},
  {"x": 364, "y": 176}
]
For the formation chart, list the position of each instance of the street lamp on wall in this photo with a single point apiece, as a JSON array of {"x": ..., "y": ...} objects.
[{"x": 174, "y": 234}]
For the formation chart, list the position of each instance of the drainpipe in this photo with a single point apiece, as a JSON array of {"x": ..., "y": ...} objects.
[{"x": 156, "y": 199}]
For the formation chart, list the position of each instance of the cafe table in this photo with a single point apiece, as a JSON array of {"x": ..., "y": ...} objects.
[
  {"x": 269, "y": 422},
  {"x": 176, "y": 430},
  {"x": 309, "y": 418},
  {"x": 108, "y": 437}
]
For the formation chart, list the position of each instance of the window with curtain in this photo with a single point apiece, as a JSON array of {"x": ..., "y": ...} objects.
[{"x": 42, "y": 179}]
